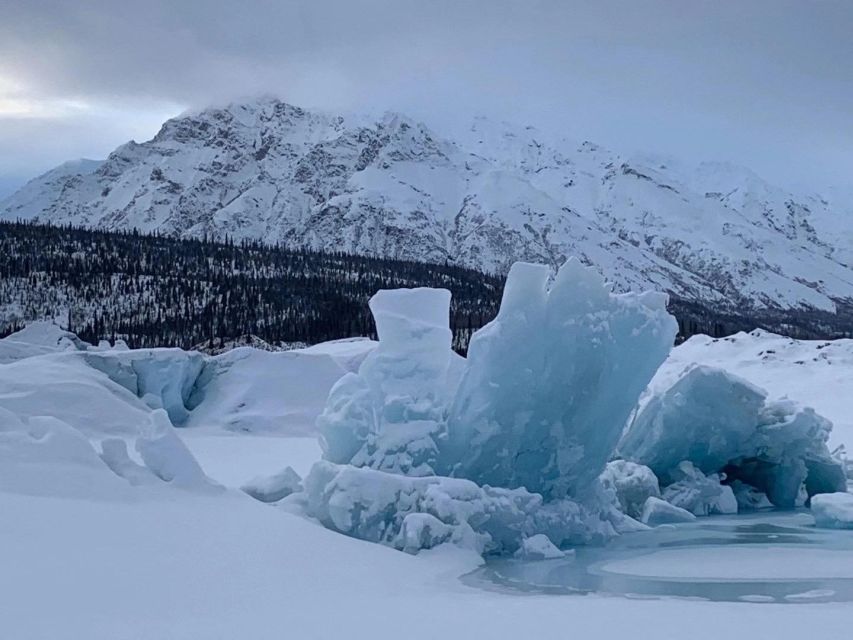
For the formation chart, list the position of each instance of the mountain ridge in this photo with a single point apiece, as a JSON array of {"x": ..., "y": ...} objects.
[{"x": 714, "y": 233}]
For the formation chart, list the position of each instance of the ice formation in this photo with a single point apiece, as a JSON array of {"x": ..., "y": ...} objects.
[
  {"x": 166, "y": 455},
  {"x": 551, "y": 382},
  {"x": 833, "y": 510},
  {"x": 391, "y": 413},
  {"x": 162, "y": 378},
  {"x": 633, "y": 484},
  {"x": 511, "y": 448},
  {"x": 697, "y": 493},
  {"x": 538, "y": 547},
  {"x": 413, "y": 513},
  {"x": 275, "y": 487},
  {"x": 657, "y": 512},
  {"x": 721, "y": 423},
  {"x": 115, "y": 456}
]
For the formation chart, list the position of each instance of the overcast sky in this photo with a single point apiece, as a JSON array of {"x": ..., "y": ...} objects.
[{"x": 765, "y": 83}]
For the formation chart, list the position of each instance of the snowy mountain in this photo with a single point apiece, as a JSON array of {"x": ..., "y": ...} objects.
[{"x": 712, "y": 233}]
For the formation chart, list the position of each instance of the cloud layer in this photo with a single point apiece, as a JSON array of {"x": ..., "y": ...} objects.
[{"x": 766, "y": 83}]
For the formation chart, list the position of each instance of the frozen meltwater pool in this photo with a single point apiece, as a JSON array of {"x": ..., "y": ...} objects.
[{"x": 764, "y": 557}]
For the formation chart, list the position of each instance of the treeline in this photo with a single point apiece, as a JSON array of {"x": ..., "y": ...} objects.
[
  {"x": 151, "y": 290},
  {"x": 158, "y": 291}
]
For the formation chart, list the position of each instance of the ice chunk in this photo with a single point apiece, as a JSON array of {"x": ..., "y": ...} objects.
[
  {"x": 697, "y": 493},
  {"x": 722, "y": 423},
  {"x": 749, "y": 498},
  {"x": 633, "y": 484},
  {"x": 391, "y": 509},
  {"x": 391, "y": 413},
  {"x": 538, "y": 547},
  {"x": 424, "y": 531},
  {"x": 657, "y": 512},
  {"x": 833, "y": 510},
  {"x": 275, "y": 487},
  {"x": 166, "y": 455},
  {"x": 551, "y": 382}
]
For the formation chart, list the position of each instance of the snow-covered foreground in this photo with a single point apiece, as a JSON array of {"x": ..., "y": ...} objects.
[
  {"x": 120, "y": 473},
  {"x": 177, "y": 565}
]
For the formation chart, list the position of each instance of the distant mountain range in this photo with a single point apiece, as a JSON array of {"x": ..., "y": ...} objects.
[{"x": 714, "y": 233}]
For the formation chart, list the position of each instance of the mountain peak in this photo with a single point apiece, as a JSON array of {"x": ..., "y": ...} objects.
[{"x": 496, "y": 193}]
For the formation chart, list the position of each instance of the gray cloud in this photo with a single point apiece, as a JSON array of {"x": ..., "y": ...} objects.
[{"x": 766, "y": 83}]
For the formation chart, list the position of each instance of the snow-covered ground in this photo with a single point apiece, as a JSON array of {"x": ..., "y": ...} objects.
[{"x": 84, "y": 554}]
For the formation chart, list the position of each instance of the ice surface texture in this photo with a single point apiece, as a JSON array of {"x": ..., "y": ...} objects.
[
  {"x": 722, "y": 423},
  {"x": 633, "y": 484},
  {"x": 528, "y": 411},
  {"x": 513, "y": 447},
  {"x": 551, "y": 382},
  {"x": 413, "y": 513},
  {"x": 391, "y": 413}
]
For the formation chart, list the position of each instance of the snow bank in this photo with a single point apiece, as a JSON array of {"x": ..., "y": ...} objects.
[
  {"x": 62, "y": 385},
  {"x": 550, "y": 383},
  {"x": 722, "y": 423},
  {"x": 44, "y": 456},
  {"x": 249, "y": 390},
  {"x": 38, "y": 338},
  {"x": 833, "y": 510}
]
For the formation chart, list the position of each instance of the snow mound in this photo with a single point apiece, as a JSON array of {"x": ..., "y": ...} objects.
[
  {"x": 38, "y": 338},
  {"x": 44, "y": 456},
  {"x": 551, "y": 382},
  {"x": 249, "y": 390},
  {"x": 722, "y": 423},
  {"x": 633, "y": 484},
  {"x": 833, "y": 510},
  {"x": 64, "y": 386},
  {"x": 275, "y": 487}
]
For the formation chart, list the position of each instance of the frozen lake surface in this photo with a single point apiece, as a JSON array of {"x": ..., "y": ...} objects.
[{"x": 776, "y": 556}]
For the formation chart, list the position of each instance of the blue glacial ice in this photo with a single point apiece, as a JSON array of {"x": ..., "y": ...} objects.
[
  {"x": 550, "y": 383},
  {"x": 391, "y": 413},
  {"x": 722, "y": 424},
  {"x": 517, "y": 442}
]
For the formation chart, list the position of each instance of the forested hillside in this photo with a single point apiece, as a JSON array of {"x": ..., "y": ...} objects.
[{"x": 158, "y": 291}]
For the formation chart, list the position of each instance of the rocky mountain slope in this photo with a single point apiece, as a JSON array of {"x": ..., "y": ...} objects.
[{"x": 713, "y": 233}]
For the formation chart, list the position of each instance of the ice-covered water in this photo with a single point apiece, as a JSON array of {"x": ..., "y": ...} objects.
[{"x": 776, "y": 556}]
